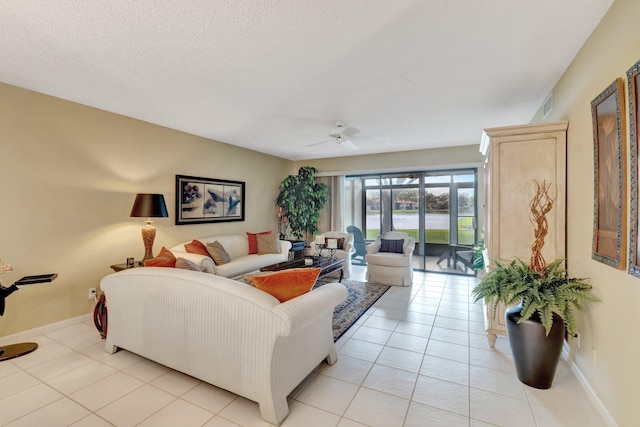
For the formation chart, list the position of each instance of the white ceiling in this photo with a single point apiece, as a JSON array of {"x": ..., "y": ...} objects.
[{"x": 275, "y": 75}]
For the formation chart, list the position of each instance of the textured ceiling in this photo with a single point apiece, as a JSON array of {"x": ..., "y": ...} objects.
[{"x": 274, "y": 76}]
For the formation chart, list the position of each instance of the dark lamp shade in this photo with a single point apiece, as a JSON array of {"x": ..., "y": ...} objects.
[{"x": 149, "y": 205}]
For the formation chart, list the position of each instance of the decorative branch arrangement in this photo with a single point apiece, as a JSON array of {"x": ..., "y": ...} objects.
[
  {"x": 540, "y": 288},
  {"x": 539, "y": 207}
]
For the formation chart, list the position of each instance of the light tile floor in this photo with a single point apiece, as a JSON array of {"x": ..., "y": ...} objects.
[{"x": 418, "y": 357}]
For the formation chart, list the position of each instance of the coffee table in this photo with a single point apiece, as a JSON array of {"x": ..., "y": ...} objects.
[{"x": 326, "y": 265}]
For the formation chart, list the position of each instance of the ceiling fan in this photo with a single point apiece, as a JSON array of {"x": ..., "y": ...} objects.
[{"x": 341, "y": 135}]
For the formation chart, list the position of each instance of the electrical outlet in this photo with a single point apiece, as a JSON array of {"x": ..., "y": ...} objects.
[{"x": 93, "y": 293}]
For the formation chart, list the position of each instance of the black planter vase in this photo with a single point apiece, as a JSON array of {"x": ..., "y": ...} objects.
[{"x": 535, "y": 354}]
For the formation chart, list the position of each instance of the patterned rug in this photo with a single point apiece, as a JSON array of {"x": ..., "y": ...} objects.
[{"x": 361, "y": 296}]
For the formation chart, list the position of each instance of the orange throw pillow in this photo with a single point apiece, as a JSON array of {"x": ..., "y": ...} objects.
[
  {"x": 287, "y": 284},
  {"x": 253, "y": 241},
  {"x": 164, "y": 259},
  {"x": 196, "y": 247}
]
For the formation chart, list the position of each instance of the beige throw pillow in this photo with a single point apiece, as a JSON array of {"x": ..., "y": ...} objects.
[
  {"x": 187, "y": 264},
  {"x": 268, "y": 244},
  {"x": 248, "y": 277},
  {"x": 218, "y": 253}
]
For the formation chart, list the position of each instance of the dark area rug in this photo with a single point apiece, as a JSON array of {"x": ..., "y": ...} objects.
[{"x": 361, "y": 296}]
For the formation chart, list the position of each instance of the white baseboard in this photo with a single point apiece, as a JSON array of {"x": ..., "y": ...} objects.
[
  {"x": 593, "y": 397},
  {"x": 25, "y": 335}
]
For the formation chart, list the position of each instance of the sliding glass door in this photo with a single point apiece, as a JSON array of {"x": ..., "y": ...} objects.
[{"x": 437, "y": 208}]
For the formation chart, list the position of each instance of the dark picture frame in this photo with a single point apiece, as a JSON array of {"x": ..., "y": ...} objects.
[
  {"x": 609, "y": 210},
  {"x": 202, "y": 200},
  {"x": 633, "y": 81}
]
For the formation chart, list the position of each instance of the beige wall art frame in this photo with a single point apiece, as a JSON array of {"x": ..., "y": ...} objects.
[
  {"x": 609, "y": 154},
  {"x": 633, "y": 81}
]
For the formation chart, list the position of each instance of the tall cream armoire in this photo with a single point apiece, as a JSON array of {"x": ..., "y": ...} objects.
[{"x": 515, "y": 157}]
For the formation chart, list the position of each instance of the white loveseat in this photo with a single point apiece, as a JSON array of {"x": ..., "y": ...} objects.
[
  {"x": 222, "y": 331},
  {"x": 238, "y": 248}
]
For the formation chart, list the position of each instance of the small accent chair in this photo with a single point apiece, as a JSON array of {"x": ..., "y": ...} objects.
[
  {"x": 358, "y": 243},
  {"x": 389, "y": 261},
  {"x": 344, "y": 253}
]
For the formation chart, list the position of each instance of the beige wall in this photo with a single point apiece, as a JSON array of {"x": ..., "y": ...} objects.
[
  {"x": 68, "y": 178},
  {"x": 437, "y": 158},
  {"x": 608, "y": 328},
  {"x": 415, "y": 160},
  {"x": 67, "y": 183},
  {"x": 69, "y": 174}
]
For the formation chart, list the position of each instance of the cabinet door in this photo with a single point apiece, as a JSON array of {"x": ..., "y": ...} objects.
[
  {"x": 517, "y": 156},
  {"x": 516, "y": 163}
]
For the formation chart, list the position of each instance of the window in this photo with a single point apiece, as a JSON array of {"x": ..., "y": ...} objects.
[{"x": 437, "y": 208}]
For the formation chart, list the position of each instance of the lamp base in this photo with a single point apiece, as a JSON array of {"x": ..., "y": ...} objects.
[
  {"x": 148, "y": 236},
  {"x": 16, "y": 350}
]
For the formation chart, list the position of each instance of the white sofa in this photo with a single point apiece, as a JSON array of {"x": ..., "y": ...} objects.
[
  {"x": 222, "y": 331},
  {"x": 238, "y": 248}
]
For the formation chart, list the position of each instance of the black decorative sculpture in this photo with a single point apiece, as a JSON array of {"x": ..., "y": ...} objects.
[
  {"x": 14, "y": 350},
  {"x": 5, "y": 292}
]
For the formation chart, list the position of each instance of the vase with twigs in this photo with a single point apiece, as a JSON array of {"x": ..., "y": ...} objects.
[{"x": 542, "y": 297}]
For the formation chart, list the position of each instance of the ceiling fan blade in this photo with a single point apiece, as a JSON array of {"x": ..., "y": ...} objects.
[
  {"x": 373, "y": 138},
  {"x": 348, "y": 144},
  {"x": 319, "y": 143},
  {"x": 350, "y": 131}
]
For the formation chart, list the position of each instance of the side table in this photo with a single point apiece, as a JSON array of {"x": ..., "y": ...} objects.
[
  {"x": 297, "y": 247},
  {"x": 124, "y": 266}
]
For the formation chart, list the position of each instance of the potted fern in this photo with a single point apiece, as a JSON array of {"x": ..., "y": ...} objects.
[{"x": 546, "y": 301}]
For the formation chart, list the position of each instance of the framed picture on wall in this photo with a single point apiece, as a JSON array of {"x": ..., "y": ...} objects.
[
  {"x": 200, "y": 200},
  {"x": 609, "y": 211},
  {"x": 633, "y": 80}
]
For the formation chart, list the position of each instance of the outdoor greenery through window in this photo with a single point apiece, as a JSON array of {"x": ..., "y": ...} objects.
[{"x": 437, "y": 208}]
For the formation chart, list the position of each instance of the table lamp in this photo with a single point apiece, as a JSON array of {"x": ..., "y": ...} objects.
[{"x": 149, "y": 206}]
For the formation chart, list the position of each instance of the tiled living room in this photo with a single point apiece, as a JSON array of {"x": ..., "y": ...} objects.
[
  {"x": 101, "y": 101},
  {"x": 418, "y": 357}
]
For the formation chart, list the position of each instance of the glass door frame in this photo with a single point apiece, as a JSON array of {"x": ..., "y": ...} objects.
[{"x": 422, "y": 187}]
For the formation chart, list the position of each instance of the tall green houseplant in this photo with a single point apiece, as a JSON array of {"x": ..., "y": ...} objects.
[{"x": 301, "y": 199}]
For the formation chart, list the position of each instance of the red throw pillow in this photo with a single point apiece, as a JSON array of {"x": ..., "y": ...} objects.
[
  {"x": 164, "y": 259},
  {"x": 196, "y": 247},
  {"x": 253, "y": 241},
  {"x": 287, "y": 284}
]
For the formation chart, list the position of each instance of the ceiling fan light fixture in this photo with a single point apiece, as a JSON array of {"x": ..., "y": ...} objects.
[
  {"x": 336, "y": 132},
  {"x": 348, "y": 144},
  {"x": 341, "y": 136}
]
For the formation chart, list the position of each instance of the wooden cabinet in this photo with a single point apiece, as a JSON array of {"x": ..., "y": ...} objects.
[{"x": 515, "y": 157}]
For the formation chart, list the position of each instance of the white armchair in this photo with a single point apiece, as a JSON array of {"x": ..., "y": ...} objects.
[
  {"x": 389, "y": 261},
  {"x": 346, "y": 251}
]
